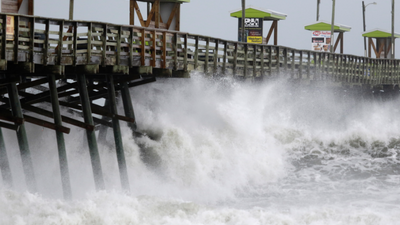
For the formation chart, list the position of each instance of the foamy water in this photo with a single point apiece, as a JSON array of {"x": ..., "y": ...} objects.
[{"x": 230, "y": 153}]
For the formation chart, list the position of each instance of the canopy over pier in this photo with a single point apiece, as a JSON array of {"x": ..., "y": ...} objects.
[
  {"x": 383, "y": 45},
  {"x": 164, "y": 14},
  {"x": 252, "y": 13},
  {"x": 326, "y": 27}
]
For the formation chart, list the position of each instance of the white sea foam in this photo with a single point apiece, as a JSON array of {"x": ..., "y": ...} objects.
[{"x": 230, "y": 153}]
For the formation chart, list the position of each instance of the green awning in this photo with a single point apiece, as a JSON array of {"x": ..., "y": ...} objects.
[
  {"x": 255, "y": 12},
  {"x": 377, "y": 33},
  {"x": 326, "y": 26}
]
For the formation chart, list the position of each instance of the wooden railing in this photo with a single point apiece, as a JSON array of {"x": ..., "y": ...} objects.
[{"x": 47, "y": 41}]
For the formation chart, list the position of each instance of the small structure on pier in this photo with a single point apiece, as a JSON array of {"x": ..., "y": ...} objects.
[
  {"x": 321, "y": 35},
  {"x": 24, "y": 7},
  {"x": 253, "y": 25},
  {"x": 164, "y": 14},
  {"x": 382, "y": 46}
]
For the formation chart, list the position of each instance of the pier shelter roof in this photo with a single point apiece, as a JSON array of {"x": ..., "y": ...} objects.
[
  {"x": 326, "y": 26},
  {"x": 264, "y": 15},
  {"x": 256, "y": 12},
  {"x": 378, "y": 33},
  {"x": 382, "y": 47}
]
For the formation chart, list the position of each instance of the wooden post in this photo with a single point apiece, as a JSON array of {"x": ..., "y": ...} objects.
[
  {"x": 178, "y": 18},
  {"x": 164, "y": 50},
  {"x": 104, "y": 47},
  {"x": 216, "y": 56},
  {"x": 60, "y": 42},
  {"x": 254, "y": 61},
  {"x": 119, "y": 39},
  {"x": 196, "y": 52},
  {"x": 4, "y": 41},
  {"x": 207, "y": 55},
  {"x": 128, "y": 107},
  {"x": 89, "y": 43},
  {"x": 131, "y": 12},
  {"x": 246, "y": 51},
  {"x": 156, "y": 4},
  {"x": 123, "y": 172},
  {"x": 22, "y": 139},
  {"x": 262, "y": 61},
  {"x": 278, "y": 59},
  {"x": 185, "y": 52},
  {"x": 91, "y": 136},
  {"x": 46, "y": 43},
  {"x": 4, "y": 164},
  {"x": 16, "y": 38},
  {"x": 31, "y": 7},
  {"x": 176, "y": 51},
  {"x": 293, "y": 65},
  {"x": 224, "y": 57},
  {"x": 270, "y": 60},
  {"x": 62, "y": 154},
  {"x": 276, "y": 33},
  {"x": 143, "y": 49},
  {"x": 75, "y": 43},
  {"x": 130, "y": 41},
  {"x": 301, "y": 65},
  {"x": 235, "y": 52},
  {"x": 153, "y": 47}
]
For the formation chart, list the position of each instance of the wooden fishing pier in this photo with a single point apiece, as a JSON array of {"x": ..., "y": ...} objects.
[{"x": 70, "y": 64}]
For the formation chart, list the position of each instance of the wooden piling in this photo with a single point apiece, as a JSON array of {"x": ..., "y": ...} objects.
[
  {"x": 4, "y": 164},
  {"x": 117, "y": 135},
  {"x": 62, "y": 154},
  {"x": 22, "y": 139},
  {"x": 128, "y": 107},
  {"x": 91, "y": 136}
]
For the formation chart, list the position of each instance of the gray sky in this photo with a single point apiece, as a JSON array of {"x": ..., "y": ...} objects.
[{"x": 212, "y": 17}]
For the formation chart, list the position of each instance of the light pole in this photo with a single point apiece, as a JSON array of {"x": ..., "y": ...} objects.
[
  {"x": 243, "y": 18},
  {"x": 365, "y": 39},
  {"x": 71, "y": 9},
  {"x": 393, "y": 29},
  {"x": 332, "y": 25},
  {"x": 318, "y": 2}
]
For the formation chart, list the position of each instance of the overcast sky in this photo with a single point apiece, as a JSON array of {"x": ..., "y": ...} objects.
[{"x": 212, "y": 17}]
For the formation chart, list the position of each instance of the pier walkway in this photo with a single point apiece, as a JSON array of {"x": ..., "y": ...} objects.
[{"x": 60, "y": 46}]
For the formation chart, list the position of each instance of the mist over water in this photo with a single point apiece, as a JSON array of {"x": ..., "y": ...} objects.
[{"x": 229, "y": 153}]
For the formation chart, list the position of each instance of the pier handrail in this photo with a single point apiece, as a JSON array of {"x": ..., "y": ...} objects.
[{"x": 59, "y": 42}]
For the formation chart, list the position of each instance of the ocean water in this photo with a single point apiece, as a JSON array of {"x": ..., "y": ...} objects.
[{"x": 228, "y": 153}]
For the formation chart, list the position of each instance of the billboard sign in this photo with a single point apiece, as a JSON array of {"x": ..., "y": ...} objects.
[
  {"x": 321, "y": 41},
  {"x": 253, "y": 30}
]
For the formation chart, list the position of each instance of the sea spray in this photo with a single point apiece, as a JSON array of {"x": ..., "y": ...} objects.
[{"x": 229, "y": 153}]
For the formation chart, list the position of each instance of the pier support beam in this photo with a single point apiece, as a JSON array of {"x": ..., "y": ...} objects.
[
  {"x": 128, "y": 107},
  {"x": 91, "y": 136},
  {"x": 117, "y": 134},
  {"x": 4, "y": 164},
  {"x": 22, "y": 139},
  {"x": 62, "y": 154},
  {"x": 103, "y": 129}
]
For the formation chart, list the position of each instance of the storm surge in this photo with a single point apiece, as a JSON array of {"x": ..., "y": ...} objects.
[{"x": 224, "y": 152}]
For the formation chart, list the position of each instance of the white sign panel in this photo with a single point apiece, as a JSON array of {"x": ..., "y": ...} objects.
[{"x": 321, "y": 41}]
